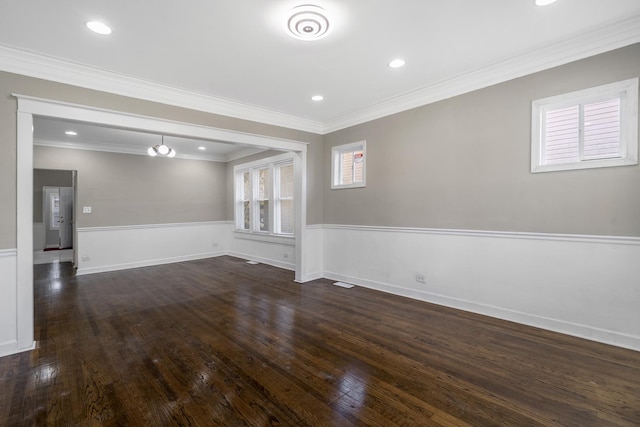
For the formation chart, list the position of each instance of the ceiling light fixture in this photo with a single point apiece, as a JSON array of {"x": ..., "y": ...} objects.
[
  {"x": 161, "y": 149},
  {"x": 307, "y": 22},
  {"x": 99, "y": 27},
  {"x": 317, "y": 98},
  {"x": 71, "y": 132},
  {"x": 397, "y": 63},
  {"x": 544, "y": 2},
  {"x": 201, "y": 148}
]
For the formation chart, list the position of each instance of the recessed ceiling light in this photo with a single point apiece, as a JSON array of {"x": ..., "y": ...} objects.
[
  {"x": 317, "y": 98},
  {"x": 71, "y": 132},
  {"x": 99, "y": 27},
  {"x": 396, "y": 63},
  {"x": 202, "y": 148},
  {"x": 307, "y": 22},
  {"x": 544, "y": 2}
]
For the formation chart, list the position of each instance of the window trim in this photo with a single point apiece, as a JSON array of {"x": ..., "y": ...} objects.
[
  {"x": 628, "y": 91},
  {"x": 254, "y": 230},
  {"x": 335, "y": 164}
]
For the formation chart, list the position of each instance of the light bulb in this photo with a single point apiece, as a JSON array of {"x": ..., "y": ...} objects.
[
  {"x": 172, "y": 153},
  {"x": 152, "y": 152},
  {"x": 99, "y": 27},
  {"x": 163, "y": 149}
]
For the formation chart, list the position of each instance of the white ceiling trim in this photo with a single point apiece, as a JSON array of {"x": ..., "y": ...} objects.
[{"x": 606, "y": 38}]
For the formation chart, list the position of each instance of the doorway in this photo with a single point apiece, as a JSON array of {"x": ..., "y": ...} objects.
[
  {"x": 30, "y": 106},
  {"x": 53, "y": 215}
]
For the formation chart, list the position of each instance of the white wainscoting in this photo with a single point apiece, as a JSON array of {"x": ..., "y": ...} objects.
[
  {"x": 585, "y": 286},
  {"x": 115, "y": 248},
  {"x": 276, "y": 251},
  {"x": 314, "y": 253},
  {"x": 8, "y": 299}
]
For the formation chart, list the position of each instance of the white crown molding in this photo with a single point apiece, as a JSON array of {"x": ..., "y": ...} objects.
[
  {"x": 39, "y": 66},
  {"x": 610, "y": 37},
  {"x": 604, "y": 39},
  {"x": 243, "y": 153}
]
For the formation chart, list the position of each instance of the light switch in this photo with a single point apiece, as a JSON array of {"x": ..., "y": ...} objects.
[{"x": 86, "y": 209}]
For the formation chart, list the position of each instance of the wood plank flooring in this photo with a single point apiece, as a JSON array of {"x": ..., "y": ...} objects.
[{"x": 218, "y": 342}]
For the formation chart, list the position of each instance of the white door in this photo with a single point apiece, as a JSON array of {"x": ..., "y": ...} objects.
[{"x": 66, "y": 217}]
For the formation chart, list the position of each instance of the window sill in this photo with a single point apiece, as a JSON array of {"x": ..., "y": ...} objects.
[
  {"x": 264, "y": 237},
  {"x": 591, "y": 164},
  {"x": 344, "y": 186}
]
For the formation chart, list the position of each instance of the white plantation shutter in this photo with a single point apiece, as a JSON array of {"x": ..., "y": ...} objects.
[
  {"x": 582, "y": 132},
  {"x": 590, "y": 128},
  {"x": 562, "y": 135},
  {"x": 602, "y": 130}
]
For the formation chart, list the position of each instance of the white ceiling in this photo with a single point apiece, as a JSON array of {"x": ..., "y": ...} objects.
[
  {"x": 52, "y": 132},
  {"x": 234, "y": 58}
]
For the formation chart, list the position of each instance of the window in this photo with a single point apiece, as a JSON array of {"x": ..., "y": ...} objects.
[
  {"x": 264, "y": 196},
  {"x": 54, "y": 204},
  {"x": 591, "y": 128},
  {"x": 348, "y": 165},
  {"x": 243, "y": 199},
  {"x": 261, "y": 207},
  {"x": 284, "y": 202}
]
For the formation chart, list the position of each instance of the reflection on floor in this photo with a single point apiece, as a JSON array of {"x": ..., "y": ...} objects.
[{"x": 48, "y": 257}]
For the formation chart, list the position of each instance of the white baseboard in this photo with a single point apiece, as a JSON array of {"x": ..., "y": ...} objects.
[
  {"x": 581, "y": 331},
  {"x": 11, "y": 347},
  {"x": 309, "y": 277},
  {"x": 263, "y": 260}
]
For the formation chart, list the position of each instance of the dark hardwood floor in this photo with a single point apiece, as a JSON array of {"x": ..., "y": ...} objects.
[{"x": 218, "y": 342}]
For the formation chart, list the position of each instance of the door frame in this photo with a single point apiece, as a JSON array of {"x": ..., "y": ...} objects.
[{"x": 29, "y": 106}]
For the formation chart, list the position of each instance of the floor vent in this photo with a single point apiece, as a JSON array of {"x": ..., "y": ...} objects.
[
  {"x": 253, "y": 262},
  {"x": 344, "y": 285}
]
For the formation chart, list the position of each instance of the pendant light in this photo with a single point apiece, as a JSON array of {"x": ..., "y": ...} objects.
[{"x": 161, "y": 149}]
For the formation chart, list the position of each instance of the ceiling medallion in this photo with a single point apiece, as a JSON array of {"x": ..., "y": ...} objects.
[{"x": 307, "y": 22}]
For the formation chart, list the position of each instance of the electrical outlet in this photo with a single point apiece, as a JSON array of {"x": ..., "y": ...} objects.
[
  {"x": 86, "y": 258},
  {"x": 420, "y": 278}
]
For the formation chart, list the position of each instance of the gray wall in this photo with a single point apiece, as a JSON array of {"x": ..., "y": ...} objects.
[
  {"x": 12, "y": 83},
  {"x": 464, "y": 163},
  {"x": 127, "y": 189},
  {"x": 459, "y": 163},
  {"x": 48, "y": 178}
]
